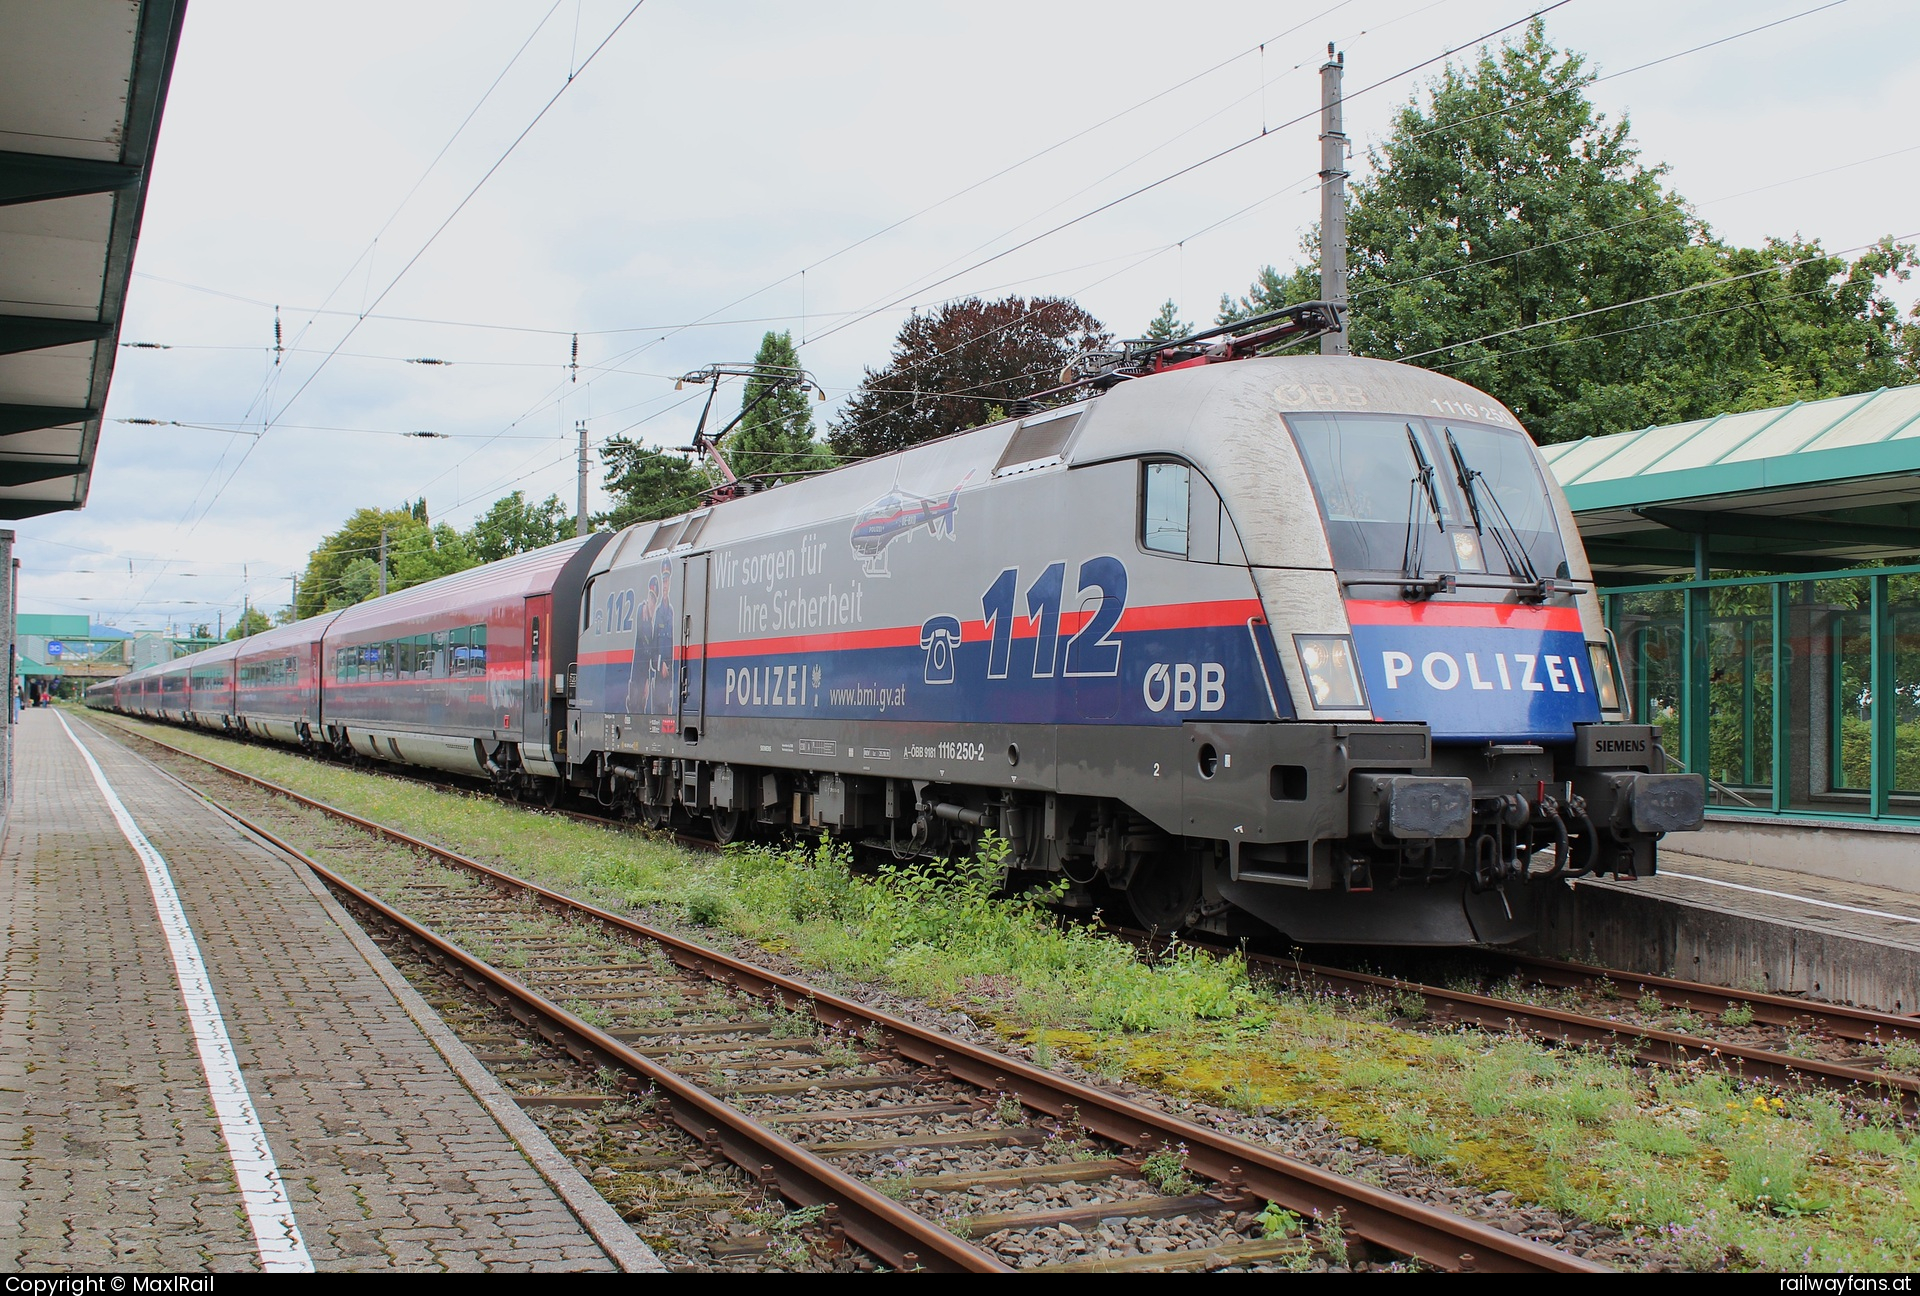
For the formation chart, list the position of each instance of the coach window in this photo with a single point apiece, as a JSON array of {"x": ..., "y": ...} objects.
[
  {"x": 423, "y": 656},
  {"x": 478, "y": 653},
  {"x": 1164, "y": 490},
  {"x": 441, "y": 668},
  {"x": 457, "y": 651}
]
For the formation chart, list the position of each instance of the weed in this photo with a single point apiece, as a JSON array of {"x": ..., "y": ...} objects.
[
  {"x": 1276, "y": 1221},
  {"x": 893, "y": 1185},
  {"x": 1008, "y": 1111},
  {"x": 1333, "y": 1238},
  {"x": 1649, "y": 1004},
  {"x": 1737, "y": 1014},
  {"x": 1800, "y": 1043},
  {"x": 874, "y": 1038},
  {"x": 1166, "y": 1170},
  {"x": 1410, "y": 1004},
  {"x": 1042, "y": 1051},
  {"x": 836, "y": 1052},
  {"x": 706, "y": 908},
  {"x": 1903, "y": 1055},
  {"x": 784, "y": 1229}
]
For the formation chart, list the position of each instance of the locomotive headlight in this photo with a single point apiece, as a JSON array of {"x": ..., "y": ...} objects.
[
  {"x": 1332, "y": 672},
  {"x": 1605, "y": 681}
]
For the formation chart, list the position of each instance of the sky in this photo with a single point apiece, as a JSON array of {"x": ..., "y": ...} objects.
[{"x": 478, "y": 182}]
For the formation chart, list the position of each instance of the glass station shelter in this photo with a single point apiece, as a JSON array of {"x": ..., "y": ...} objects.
[{"x": 1761, "y": 576}]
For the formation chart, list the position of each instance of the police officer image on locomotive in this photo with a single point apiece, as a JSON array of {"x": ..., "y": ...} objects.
[{"x": 1297, "y": 642}]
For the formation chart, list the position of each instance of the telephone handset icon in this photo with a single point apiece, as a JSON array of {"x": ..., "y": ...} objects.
[{"x": 939, "y": 637}]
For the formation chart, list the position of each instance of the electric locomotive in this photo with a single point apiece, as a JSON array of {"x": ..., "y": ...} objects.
[{"x": 1307, "y": 642}]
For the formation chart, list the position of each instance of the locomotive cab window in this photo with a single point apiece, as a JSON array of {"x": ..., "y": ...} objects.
[
  {"x": 1164, "y": 492},
  {"x": 1451, "y": 497}
]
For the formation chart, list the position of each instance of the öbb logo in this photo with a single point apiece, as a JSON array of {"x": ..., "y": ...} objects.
[{"x": 1184, "y": 686}]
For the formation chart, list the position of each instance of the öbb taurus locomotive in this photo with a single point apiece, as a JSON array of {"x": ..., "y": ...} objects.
[{"x": 1308, "y": 642}]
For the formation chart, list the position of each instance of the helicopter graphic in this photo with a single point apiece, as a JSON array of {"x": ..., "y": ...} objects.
[{"x": 899, "y": 513}]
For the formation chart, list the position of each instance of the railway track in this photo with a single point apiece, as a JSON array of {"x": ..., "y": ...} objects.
[
  {"x": 822, "y": 1100},
  {"x": 1653, "y": 1045}
]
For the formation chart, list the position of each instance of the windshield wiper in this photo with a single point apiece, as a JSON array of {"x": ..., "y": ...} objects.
[
  {"x": 1493, "y": 521},
  {"x": 1421, "y": 490}
]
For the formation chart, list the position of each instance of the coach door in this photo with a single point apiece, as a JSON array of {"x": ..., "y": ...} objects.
[
  {"x": 692, "y": 647},
  {"x": 537, "y": 727}
]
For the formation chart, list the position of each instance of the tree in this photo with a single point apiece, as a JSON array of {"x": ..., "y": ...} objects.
[
  {"x": 647, "y": 484},
  {"x": 776, "y": 436},
  {"x": 202, "y": 631},
  {"x": 1270, "y": 291},
  {"x": 344, "y": 568},
  {"x": 514, "y": 526},
  {"x": 1167, "y": 326},
  {"x": 1506, "y": 206},
  {"x": 251, "y": 622},
  {"x": 949, "y": 366}
]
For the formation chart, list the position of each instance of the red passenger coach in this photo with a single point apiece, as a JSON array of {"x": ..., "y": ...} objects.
[
  {"x": 211, "y": 702},
  {"x": 466, "y": 673},
  {"x": 277, "y": 681}
]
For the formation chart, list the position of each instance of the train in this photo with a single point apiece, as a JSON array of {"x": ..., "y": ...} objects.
[{"x": 1300, "y": 643}]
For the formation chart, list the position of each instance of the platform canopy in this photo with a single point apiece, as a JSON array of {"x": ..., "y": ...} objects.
[
  {"x": 1806, "y": 487},
  {"x": 82, "y": 83}
]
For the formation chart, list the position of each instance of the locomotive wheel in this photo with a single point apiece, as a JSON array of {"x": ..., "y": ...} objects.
[
  {"x": 657, "y": 816},
  {"x": 1164, "y": 890},
  {"x": 547, "y": 792},
  {"x": 726, "y": 824}
]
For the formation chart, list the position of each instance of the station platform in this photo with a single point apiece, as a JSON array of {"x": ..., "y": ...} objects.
[
  {"x": 205, "y": 1065},
  {"x": 1828, "y": 936}
]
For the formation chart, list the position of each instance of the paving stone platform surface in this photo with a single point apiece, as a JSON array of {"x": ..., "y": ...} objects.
[{"x": 110, "y": 1154}]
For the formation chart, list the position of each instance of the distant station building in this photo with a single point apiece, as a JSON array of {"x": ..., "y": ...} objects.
[{"x": 1761, "y": 575}]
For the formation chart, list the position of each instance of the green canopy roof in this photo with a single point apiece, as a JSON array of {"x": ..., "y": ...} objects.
[
  {"x": 1803, "y": 487},
  {"x": 28, "y": 666}
]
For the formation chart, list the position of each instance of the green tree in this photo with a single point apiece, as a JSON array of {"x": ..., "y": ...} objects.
[
  {"x": 949, "y": 367},
  {"x": 646, "y": 483},
  {"x": 344, "y": 568},
  {"x": 514, "y": 526},
  {"x": 776, "y": 436},
  {"x": 1270, "y": 291},
  {"x": 251, "y": 622},
  {"x": 428, "y": 553},
  {"x": 1167, "y": 325},
  {"x": 1505, "y": 202}
]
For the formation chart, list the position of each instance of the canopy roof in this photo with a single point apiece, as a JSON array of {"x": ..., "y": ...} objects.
[
  {"x": 1804, "y": 487},
  {"x": 82, "y": 83}
]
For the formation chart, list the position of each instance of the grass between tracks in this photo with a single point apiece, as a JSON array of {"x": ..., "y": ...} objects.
[{"x": 1729, "y": 1175}]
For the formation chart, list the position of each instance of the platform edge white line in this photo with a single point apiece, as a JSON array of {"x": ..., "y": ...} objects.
[
  {"x": 1788, "y": 895},
  {"x": 276, "y": 1232}
]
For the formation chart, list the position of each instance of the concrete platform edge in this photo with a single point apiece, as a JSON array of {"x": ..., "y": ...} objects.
[
  {"x": 622, "y": 1245},
  {"x": 1609, "y": 923}
]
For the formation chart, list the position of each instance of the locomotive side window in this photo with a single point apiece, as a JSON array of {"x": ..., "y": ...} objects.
[{"x": 1164, "y": 492}]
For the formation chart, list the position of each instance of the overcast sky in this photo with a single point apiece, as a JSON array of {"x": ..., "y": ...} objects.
[{"x": 666, "y": 203}]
